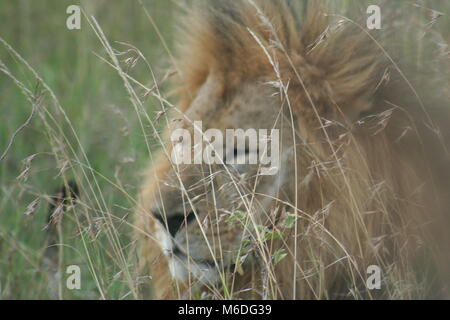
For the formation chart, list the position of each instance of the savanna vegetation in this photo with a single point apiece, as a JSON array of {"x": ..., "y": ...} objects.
[{"x": 86, "y": 106}]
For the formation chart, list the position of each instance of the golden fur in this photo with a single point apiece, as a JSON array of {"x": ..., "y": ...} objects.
[{"x": 371, "y": 169}]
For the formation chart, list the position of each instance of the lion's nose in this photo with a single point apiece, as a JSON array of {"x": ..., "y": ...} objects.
[{"x": 173, "y": 222}]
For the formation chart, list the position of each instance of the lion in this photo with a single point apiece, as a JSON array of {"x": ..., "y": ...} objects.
[{"x": 363, "y": 180}]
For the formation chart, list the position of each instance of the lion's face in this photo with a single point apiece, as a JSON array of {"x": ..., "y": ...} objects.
[
  {"x": 207, "y": 213},
  {"x": 356, "y": 163}
]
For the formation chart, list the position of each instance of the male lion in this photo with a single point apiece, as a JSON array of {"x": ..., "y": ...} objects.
[{"x": 358, "y": 207}]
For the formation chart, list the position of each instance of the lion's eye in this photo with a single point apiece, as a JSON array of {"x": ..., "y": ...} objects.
[
  {"x": 235, "y": 154},
  {"x": 238, "y": 152}
]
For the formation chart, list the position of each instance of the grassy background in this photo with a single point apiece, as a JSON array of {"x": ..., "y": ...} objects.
[
  {"x": 106, "y": 125},
  {"x": 99, "y": 142}
]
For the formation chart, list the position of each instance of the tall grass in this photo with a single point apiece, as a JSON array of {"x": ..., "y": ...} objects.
[
  {"x": 83, "y": 128},
  {"x": 95, "y": 100}
]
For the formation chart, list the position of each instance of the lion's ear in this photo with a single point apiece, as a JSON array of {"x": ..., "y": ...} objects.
[
  {"x": 345, "y": 61},
  {"x": 352, "y": 98},
  {"x": 207, "y": 98},
  {"x": 353, "y": 83}
]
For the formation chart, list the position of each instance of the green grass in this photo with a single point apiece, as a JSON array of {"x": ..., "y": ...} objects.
[
  {"x": 98, "y": 141},
  {"x": 102, "y": 125}
]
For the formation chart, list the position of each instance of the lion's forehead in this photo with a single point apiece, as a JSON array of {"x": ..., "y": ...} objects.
[{"x": 252, "y": 105}]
